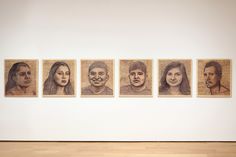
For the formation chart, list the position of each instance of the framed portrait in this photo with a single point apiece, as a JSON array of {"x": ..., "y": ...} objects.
[
  {"x": 59, "y": 78},
  {"x": 97, "y": 78},
  {"x": 136, "y": 78},
  {"x": 21, "y": 78},
  {"x": 214, "y": 78},
  {"x": 175, "y": 77}
]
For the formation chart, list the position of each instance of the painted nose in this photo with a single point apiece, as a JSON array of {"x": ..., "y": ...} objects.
[
  {"x": 173, "y": 77},
  {"x": 27, "y": 76},
  {"x": 96, "y": 76},
  {"x": 136, "y": 76},
  {"x": 63, "y": 76}
]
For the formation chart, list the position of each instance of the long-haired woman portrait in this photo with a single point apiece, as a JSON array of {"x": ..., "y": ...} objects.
[
  {"x": 174, "y": 80},
  {"x": 19, "y": 80},
  {"x": 58, "y": 81}
]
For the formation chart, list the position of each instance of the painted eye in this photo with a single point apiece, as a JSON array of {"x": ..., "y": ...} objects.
[
  {"x": 67, "y": 73},
  {"x": 177, "y": 74},
  {"x": 101, "y": 73},
  {"x": 132, "y": 73},
  {"x": 92, "y": 73},
  {"x": 169, "y": 74},
  {"x": 140, "y": 73},
  {"x": 28, "y": 73},
  {"x": 21, "y": 73},
  {"x": 211, "y": 74}
]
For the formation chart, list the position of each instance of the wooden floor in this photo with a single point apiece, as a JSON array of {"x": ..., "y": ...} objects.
[{"x": 118, "y": 149}]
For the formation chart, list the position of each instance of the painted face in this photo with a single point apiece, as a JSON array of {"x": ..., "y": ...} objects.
[
  {"x": 211, "y": 79},
  {"x": 62, "y": 76},
  {"x": 174, "y": 77},
  {"x": 98, "y": 77},
  {"x": 137, "y": 77},
  {"x": 23, "y": 77}
]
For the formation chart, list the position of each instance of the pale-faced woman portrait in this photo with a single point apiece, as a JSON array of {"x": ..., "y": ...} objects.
[
  {"x": 21, "y": 77},
  {"x": 174, "y": 77},
  {"x": 58, "y": 78}
]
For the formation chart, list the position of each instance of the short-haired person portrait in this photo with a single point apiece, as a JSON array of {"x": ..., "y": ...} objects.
[
  {"x": 175, "y": 77},
  {"x": 135, "y": 77},
  {"x": 214, "y": 77},
  {"x": 59, "y": 77},
  {"x": 21, "y": 78},
  {"x": 97, "y": 77}
]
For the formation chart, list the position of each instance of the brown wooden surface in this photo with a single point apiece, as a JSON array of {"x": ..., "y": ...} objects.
[{"x": 118, "y": 149}]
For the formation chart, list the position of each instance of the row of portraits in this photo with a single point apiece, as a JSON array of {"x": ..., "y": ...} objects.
[{"x": 97, "y": 78}]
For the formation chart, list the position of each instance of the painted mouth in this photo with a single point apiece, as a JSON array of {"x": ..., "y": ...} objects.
[
  {"x": 136, "y": 81},
  {"x": 97, "y": 81},
  {"x": 27, "y": 82},
  {"x": 63, "y": 81},
  {"x": 208, "y": 82},
  {"x": 173, "y": 82}
]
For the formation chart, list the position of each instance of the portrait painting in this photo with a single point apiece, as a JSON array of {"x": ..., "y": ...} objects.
[
  {"x": 214, "y": 78},
  {"x": 59, "y": 78},
  {"x": 97, "y": 78},
  {"x": 175, "y": 77},
  {"x": 136, "y": 78},
  {"x": 21, "y": 78}
]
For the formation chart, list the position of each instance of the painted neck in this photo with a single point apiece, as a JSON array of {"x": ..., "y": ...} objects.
[
  {"x": 139, "y": 88},
  {"x": 60, "y": 90},
  {"x": 174, "y": 90},
  {"x": 97, "y": 90}
]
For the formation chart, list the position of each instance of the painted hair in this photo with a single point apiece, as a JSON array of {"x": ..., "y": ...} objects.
[
  {"x": 184, "y": 85},
  {"x": 138, "y": 65},
  {"x": 98, "y": 64},
  {"x": 218, "y": 68},
  {"x": 12, "y": 73},
  {"x": 50, "y": 86}
]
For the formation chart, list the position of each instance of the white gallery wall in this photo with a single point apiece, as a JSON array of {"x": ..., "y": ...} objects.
[{"x": 118, "y": 29}]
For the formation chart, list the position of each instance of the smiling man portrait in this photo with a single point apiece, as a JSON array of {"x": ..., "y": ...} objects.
[{"x": 97, "y": 76}]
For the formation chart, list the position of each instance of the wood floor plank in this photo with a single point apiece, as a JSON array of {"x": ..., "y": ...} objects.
[{"x": 118, "y": 149}]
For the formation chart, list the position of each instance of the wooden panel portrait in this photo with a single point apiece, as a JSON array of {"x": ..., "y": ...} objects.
[
  {"x": 97, "y": 78},
  {"x": 21, "y": 78},
  {"x": 136, "y": 78},
  {"x": 59, "y": 78},
  {"x": 214, "y": 78},
  {"x": 175, "y": 77}
]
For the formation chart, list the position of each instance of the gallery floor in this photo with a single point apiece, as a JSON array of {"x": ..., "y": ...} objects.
[{"x": 118, "y": 149}]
